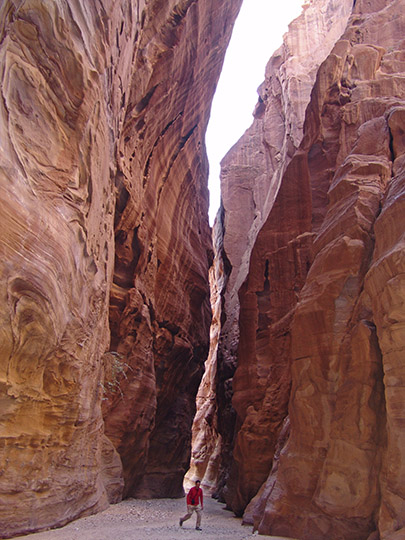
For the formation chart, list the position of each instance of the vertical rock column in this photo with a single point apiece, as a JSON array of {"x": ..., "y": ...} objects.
[
  {"x": 279, "y": 263},
  {"x": 251, "y": 176},
  {"x": 385, "y": 286},
  {"x": 206, "y": 441}
]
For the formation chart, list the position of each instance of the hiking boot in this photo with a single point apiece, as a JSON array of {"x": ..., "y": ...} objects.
[
  {"x": 198, "y": 529},
  {"x": 181, "y": 522}
]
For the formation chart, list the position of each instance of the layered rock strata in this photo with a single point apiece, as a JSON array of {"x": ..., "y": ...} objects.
[
  {"x": 329, "y": 309},
  {"x": 105, "y": 248}
]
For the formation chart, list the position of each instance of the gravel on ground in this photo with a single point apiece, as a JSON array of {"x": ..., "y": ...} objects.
[{"x": 157, "y": 519}]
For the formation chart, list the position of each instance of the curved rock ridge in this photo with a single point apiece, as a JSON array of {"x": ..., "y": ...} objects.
[
  {"x": 318, "y": 386},
  {"x": 105, "y": 248}
]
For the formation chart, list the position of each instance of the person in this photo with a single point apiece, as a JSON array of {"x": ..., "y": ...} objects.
[{"x": 194, "y": 504}]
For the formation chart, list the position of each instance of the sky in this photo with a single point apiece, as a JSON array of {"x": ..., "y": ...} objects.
[{"x": 257, "y": 33}]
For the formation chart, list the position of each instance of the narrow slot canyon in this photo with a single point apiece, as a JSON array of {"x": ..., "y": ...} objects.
[{"x": 142, "y": 348}]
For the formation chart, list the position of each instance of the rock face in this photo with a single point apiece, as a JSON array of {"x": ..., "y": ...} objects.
[
  {"x": 250, "y": 180},
  {"x": 337, "y": 476},
  {"x": 159, "y": 299},
  {"x": 319, "y": 316},
  {"x": 105, "y": 248}
]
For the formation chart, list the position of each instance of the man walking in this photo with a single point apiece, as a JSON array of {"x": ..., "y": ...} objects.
[{"x": 194, "y": 504}]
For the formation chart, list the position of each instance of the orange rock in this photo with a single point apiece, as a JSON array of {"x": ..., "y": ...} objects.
[{"x": 334, "y": 473}]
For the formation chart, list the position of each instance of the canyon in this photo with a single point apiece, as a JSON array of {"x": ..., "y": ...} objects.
[{"x": 135, "y": 349}]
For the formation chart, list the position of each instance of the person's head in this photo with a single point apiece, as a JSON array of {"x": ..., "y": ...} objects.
[{"x": 197, "y": 483}]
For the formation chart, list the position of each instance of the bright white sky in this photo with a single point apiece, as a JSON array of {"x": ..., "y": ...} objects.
[{"x": 257, "y": 33}]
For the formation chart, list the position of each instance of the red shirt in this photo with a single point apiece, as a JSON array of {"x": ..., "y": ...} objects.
[{"x": 196, "y": 494}]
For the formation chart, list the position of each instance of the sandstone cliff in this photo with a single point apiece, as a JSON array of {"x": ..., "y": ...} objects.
[
  {"x": 105, "y": 248},
  {"x": 345, "y": 379},
  {"x": 318, "y": 333}
]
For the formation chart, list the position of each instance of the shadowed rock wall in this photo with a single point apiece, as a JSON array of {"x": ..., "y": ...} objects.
[
  {"x": 160, "y": 300},
  {"x": 105, "y": 248}
]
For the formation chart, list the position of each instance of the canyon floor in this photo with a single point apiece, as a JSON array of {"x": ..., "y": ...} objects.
[{"x": 157, "y": 519}]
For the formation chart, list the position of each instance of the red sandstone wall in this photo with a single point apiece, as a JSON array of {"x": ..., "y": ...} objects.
[{"x": 341, "y": 391}]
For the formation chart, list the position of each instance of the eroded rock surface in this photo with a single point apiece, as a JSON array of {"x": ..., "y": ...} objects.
[
  {"x": 105, "y": 248},
  {"x": 207, "y": 441}
]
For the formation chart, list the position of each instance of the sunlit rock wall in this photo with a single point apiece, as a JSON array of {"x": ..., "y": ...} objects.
[
  {"x": 252, "y": 170},
  {"x": 342, "y": 474},
  {"x": 105, "y": 248},
  {"x": 321, "y": 308}
]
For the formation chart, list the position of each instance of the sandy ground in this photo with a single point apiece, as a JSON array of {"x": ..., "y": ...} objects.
[{"x": 153, "y": 520}]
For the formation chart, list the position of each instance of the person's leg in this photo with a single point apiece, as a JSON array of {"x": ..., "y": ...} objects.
[
  {"x": 187, "y": 516},
  {"x": 198, "y": 524}
]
